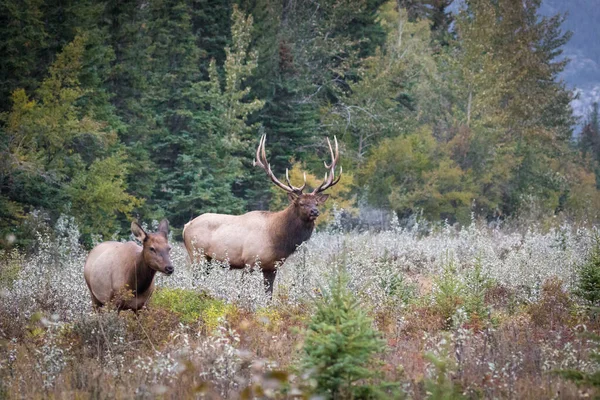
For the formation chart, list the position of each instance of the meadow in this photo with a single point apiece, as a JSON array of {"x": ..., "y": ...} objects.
[{"x": 430, "y": 311}]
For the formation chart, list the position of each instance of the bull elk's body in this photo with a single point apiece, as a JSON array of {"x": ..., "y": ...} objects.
[
  {"x": 112, "y": 267},
  {"x": 268, "y": 237}
]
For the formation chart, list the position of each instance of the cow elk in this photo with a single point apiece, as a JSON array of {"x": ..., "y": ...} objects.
[
  {"x": 114, "y": 267},
  {"x": 269, "y": 237}
]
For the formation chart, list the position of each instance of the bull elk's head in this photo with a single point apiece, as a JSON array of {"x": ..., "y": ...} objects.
[{"x": 306, "y": 204}]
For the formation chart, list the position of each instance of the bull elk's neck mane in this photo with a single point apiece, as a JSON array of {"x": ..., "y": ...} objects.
[
  {"x": 143, "y": 275},
  {"x": 289, "y": 231}
]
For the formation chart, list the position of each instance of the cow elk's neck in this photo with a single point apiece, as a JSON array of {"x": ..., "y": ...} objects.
[{"x": 143, "y": 274}]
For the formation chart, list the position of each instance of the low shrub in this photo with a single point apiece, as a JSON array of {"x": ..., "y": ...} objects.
[
  {"x": 192, "y": 306},
  {"x": 151, "y": 326},
  {"x": 10, "y": 265},
  {"x": 476, "y": 287},
  {"x": 99, "y": 335},
  {"x": 269, "y": 317},
  {"x": 554, "y": 307},
  {"x": 588, "y": 378},
  {"x": 440, "y": 386},
  {"x": 188, "y": 304},
  {"x": 215, "y": 311}
]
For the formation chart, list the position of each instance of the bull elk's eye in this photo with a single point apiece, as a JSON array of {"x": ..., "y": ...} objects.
[
  {"x": 169, "y": 248},
  {"x": 152, "y": 249}
]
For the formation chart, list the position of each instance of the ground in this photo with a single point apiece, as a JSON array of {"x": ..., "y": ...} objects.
[{"x": 474, "y": 312}]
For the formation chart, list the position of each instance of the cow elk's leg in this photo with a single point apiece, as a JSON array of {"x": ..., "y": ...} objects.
[
  {"x": 96, "y": 304},
  {"x": 269, "y": 280}
]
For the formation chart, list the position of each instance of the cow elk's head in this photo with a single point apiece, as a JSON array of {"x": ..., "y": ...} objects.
[
  {"x": 156, "y": 247},
  {"x": 305, "y": 204}
]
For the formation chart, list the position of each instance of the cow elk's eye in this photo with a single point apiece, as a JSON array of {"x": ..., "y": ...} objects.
[
  {"x": 152, "y": 249},
  {"x": 169, "y": 248}
]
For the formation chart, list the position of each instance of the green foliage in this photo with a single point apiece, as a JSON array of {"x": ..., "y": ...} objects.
[
  {"x": 340, "y": 194},
  {"x": 57, "y": 155},
  {"x": 192, "y": 306},
  {"x": 449, "y": 292},
  {"x": 201, "y": 134},
  {"x": 397, "y": 287},
  {"x": 10, "y": 265},
  {"x": 216, "y": 311},
  {"x": 269, "y": 317},
  {"x": 588, "y": 282},
  {"x": 341, "y": 345},
  {"x": 410, "y": 173},
  {"x": 504, "y": 137},
  {"x": 110, "y": 109},
  {"x": 188, "y": 304},
  {"x": 98, "y": 192},
  {"x": 586, "y": 378},
  {"x": 384, "y": 101},
  {"x": 476, "y": 286},
  {"x": 441, "y": 386},
  {"x": 23, "y": 38}
]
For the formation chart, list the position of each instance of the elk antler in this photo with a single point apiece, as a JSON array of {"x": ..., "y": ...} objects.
[
  {"x": 330, "y": 180},
  {"x": 261, "y": 161}
]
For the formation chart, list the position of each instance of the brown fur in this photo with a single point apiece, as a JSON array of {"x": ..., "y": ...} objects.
[{"x": 113, "y": 268}]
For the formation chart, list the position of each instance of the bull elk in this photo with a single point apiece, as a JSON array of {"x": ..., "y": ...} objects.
[
  {"x": 113, "y": 267},
  {"x": 267, "y": 236}
]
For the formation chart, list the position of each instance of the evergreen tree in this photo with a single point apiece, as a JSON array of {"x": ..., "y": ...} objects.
[
  {"x": 200, "y": 131},
  {"x": 515, "y": 111},
  {"x": 58, "y": 157},
  {"x": 340, "y": 347},
  {"x": 385, "y": 101},
  {"x": 23, "y": 37},
  {"x": 156, "y": 101},
  {"x": 589, "y": 140}
]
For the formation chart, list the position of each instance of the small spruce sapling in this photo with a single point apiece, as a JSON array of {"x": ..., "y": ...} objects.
[{"x": 341, "y": 346}]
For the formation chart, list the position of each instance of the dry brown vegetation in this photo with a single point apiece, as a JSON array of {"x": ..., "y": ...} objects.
[{"x": 453, "y": 333}]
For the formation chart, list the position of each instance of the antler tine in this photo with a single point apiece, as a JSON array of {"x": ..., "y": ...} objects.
[
  {"x": 257, "y": 161},
  {"x": 335, "y": 157},
  {"x": 294, "y": 188},
  {"x": 330, "y": 178},
  {"x": 261, "y": 161},
  {"x": 338, "y": 178}
]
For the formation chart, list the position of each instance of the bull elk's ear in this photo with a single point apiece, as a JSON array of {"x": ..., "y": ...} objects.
[
  {"x": 138, "y": 231},
  {"x": 163, "y": 227},
  {"x": 321, "y": 198},
  {"x": 292, "y": 197}
]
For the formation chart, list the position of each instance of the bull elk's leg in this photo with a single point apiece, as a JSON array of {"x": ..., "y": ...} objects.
[{"x": 269, "y": 280}]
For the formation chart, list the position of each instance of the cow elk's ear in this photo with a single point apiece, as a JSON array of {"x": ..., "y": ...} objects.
[
  {"x": 292, "y": 197},
  {"x": 138, "y": 232},
  {"x": 163, "y": 228},
  {"x": 321, "y": 198}
]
